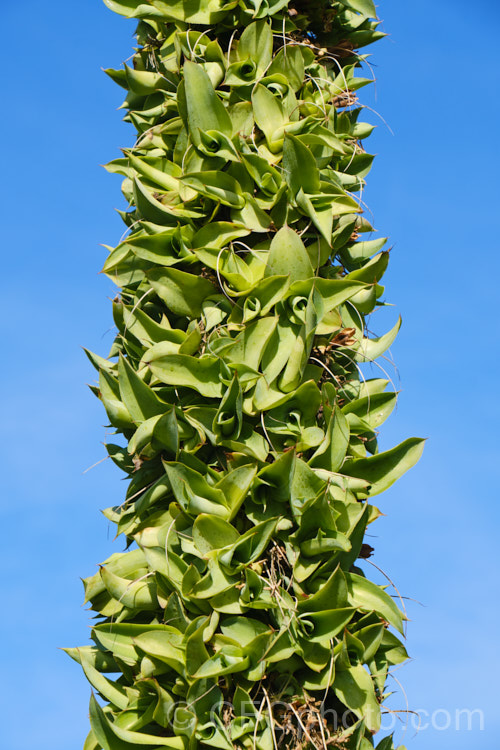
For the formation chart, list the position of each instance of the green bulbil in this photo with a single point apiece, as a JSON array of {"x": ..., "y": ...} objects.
[{"x": 239, "y": 617}]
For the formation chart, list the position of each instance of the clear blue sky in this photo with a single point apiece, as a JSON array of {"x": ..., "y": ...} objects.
[{"x": 434, "y": 190}]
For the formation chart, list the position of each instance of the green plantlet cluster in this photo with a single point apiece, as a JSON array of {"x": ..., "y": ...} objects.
[{"x": 238, "y": 616}]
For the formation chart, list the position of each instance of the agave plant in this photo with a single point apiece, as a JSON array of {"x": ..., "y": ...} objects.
[{"x": 238, "y": 616}]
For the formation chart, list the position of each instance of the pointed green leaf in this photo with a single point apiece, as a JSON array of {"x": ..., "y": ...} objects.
[
  {"x": 219, "y": 186},
  {"x": 301, "y": 170},
  {"x": 205, "y": 110},
  {"x": 331, "y": 453},
  {"x": 384, "y": 469},
  {"x": 235, "y": 486},
  {"x": 193, "y": 493},
  {"x": 218, "y": 234},
  {"x": 354, "y": 687},
  {"x": 111, "y": 691},
  {"x": 366, "y": 7},
  {"x": 139, "y": 399},
  {"x": 165, "y": 645},
  {"x": 153, "y": 209},
  {"x": 324, "y": 625},
  {"x": 229, "y": 418},
  {"x": 250, "y": 345},
  {"x": 331, "y": 595},
  {"x": 140, "y": 595},
  {"x": 102, "y": 729},
  {"x": 164, "y": 179},
  {"x": 289, "y": 63},
  {"x": 256, "y": 43},
  {"x": 211, "y": 533},
  {"x": 182, "y": 292},
  {"x": 373, "y": 409},
  {"x": 268, "y": 112},
  {"x": 370, "y": 349},
  {"x": 109, "y": 393},
  {"x": 288, "y": 257},
  {"x": 200, "y": 373},
  {"x": 367, "y": 596}
]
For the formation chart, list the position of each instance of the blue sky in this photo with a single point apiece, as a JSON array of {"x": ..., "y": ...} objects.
[{"x": 434, "y": 191}]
